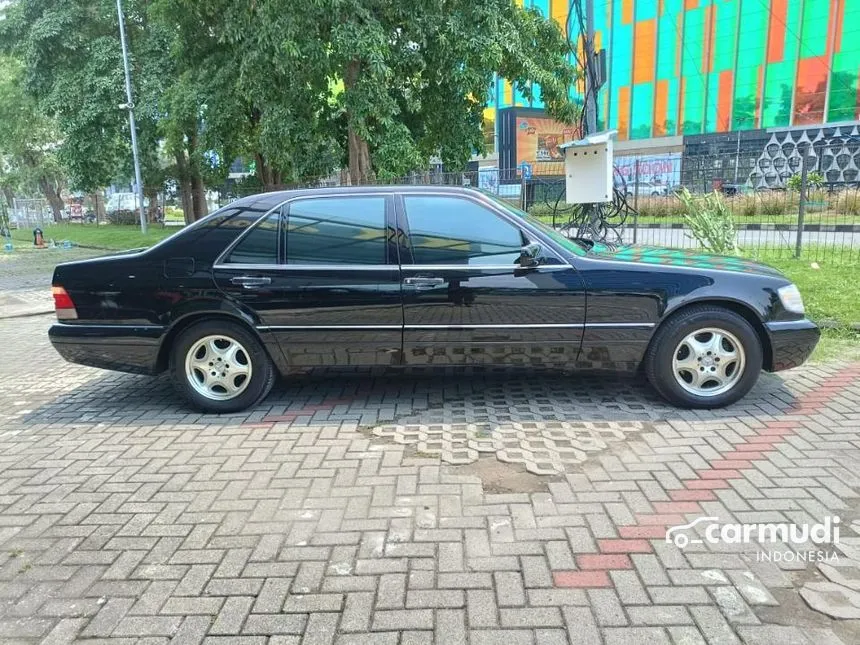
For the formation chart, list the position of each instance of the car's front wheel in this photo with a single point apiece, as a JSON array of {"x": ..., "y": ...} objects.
[
  {"x": 704, "y": 357},
  {"x": 220, "y": 366}
]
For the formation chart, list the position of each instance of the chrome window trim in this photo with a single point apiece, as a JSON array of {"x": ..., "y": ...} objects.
[
  {"x": 385, "y": 267},
  {"x": 473, "y": 267},
  {"x": 308, "y": 267}
]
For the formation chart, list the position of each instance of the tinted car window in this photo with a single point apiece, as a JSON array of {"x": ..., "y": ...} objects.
[
  {"x": 336, "y": 230},
  {"x": 260, "y": 245},
  {"x": 448, "y": 230}
]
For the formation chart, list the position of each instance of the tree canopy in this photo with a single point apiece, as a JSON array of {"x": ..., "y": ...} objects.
[{"x": 298, "y": 88}]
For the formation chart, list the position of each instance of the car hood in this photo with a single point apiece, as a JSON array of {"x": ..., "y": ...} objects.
[{"x": 680, "y": 258}]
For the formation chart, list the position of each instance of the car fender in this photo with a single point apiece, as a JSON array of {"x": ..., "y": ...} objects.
[
  {"x": 205, "y": 307},
  {"x": 756, "y": 300}
]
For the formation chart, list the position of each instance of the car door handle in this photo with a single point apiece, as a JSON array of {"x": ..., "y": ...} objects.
[
  {"x": 250, "y": 282},
  {"x": 423, "y": 282}
]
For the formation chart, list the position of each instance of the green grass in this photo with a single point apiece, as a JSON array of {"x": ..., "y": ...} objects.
[
  {"x": 111, "y": 237},
  {"x": 829, "y": 294}
]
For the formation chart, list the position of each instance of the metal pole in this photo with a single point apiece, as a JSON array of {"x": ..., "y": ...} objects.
[
  {"x": 131, "y": 123},
  {"x": 636, "y": 200},
  {"x": 590, "y": 89},
  {"x": 737, "y": 156},
  {"x": 801, "y": 207}
]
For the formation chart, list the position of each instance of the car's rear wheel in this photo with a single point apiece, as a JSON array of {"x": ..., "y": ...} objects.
[
  {"x": 704, "y": 357},
  {"x": 220, "y": 366}
]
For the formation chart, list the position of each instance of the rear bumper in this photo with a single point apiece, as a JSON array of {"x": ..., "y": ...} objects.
[
  {"x": 124, "y": 348},
  {"x": 791, "y": 343}
]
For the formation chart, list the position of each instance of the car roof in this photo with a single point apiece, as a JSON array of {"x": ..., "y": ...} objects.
[{"x": 274, "y": 198}]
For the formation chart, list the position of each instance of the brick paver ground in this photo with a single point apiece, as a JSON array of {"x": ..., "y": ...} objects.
[{"x": 381, "y": 507}]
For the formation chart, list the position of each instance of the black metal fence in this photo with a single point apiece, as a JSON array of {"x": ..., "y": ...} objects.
[{"x": 784, "y": 203}]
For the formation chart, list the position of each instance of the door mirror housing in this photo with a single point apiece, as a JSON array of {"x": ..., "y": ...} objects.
[{"x": 530, "y": 255}]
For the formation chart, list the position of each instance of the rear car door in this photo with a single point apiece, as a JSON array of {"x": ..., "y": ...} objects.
[
  {"x": 333, "y": 296},
  {"x": 468, "y": 299}
]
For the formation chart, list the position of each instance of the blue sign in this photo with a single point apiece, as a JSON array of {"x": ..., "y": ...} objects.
[{"x": 526, "y": 169}]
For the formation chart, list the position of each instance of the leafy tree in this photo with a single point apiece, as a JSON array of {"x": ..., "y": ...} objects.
[
  {"x": 302, "y": 87},
  {"x": 27, "y": 141}
]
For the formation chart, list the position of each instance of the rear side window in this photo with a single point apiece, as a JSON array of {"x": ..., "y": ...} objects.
[
  {"x": 336, "y": 230},
  {"x": 260, "y": 245},
  {"x": 449, "y": 230}
]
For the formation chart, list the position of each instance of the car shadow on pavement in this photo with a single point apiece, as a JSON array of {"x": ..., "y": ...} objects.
[{"x": 413, "y": 395}]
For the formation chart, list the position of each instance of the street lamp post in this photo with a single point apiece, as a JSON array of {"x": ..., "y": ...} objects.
[{"x": 131, "y": 123}]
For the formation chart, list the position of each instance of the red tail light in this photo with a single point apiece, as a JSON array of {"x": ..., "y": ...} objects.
[{"x": 63, "y": 304}]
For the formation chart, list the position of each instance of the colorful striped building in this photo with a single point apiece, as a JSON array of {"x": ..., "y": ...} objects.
[{"x": 694, "y": 67}]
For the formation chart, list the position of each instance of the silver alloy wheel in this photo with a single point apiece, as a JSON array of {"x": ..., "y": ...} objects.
[
  {"x": 218, "y": 367},
  {"x": 708, "y": 362}
]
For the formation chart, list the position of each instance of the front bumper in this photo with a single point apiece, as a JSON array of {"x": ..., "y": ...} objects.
[
  {"x": 791, "y": 343},
  {"x": 124, "y": 348}
]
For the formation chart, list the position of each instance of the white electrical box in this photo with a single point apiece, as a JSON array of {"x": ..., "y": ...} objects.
[{"x": 588, "y": 168}]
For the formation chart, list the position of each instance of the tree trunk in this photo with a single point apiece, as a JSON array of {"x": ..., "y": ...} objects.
[
  {"x": 184, "y": 187},
  {"x": 9, "y": 194},
  {"x": 152, "y": 211},
  {"x": 267, "y": 174},
  {"x": 198, "y": 196},
  {"x": 360, "y": 170},
  {"x": 49, "y": 190},
  {"x": 98, "y": 206}
]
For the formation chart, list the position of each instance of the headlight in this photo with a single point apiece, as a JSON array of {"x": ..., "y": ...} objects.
[{"x": 789, "y": 295}]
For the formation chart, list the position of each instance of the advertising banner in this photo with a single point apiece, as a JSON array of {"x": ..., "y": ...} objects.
[
  {"x": 538, "y": 139},
  {"x": 660, "y": 170}
]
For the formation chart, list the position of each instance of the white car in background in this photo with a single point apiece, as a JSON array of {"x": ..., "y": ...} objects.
[{"x": 646, "y": 189}]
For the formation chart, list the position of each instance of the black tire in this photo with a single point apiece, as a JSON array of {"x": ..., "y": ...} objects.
[
  {"x": 263, "y": 372},
  {"x": 661, "y": 352}
]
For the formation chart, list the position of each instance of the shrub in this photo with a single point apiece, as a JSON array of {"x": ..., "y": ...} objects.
[
  {"x": 847, "y": 202},
  {"x": 658, "y": 206},
  {"x": 710, "y": 221},
  {"x": 813, "y": 180},
  {"x": 125, "y": 217}
]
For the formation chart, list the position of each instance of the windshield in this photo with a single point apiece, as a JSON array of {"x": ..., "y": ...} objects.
[{"x": 572, "y": 245}]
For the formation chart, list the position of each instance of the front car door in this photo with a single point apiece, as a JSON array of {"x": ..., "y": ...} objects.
[
  {"x": 468, "y": 299},
  {"x": 333, "y": 296}
]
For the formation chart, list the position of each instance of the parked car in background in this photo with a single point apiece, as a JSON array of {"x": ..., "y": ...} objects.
[
  {"x": 410, "y": 275},
  {"x": 730, "y": 190},
  {"x": 645, "y": 188}
]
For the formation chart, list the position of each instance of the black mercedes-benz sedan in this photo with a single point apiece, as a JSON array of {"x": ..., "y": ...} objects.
[{"x": 420, "y": 275}]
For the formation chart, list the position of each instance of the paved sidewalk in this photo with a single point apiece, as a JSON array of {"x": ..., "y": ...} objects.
[
  {"x": 25, "y": 278},
  {"x": 26, "y": 302},
  {"x": 382, "y": 507}
]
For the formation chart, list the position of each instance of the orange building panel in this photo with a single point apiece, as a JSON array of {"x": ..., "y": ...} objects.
[
  {"x": 643, "y": 56},
  {"x": 624, "y": 112},
  {"x": 626, "y": 12},
  {"x": 776, "y": 30},
  {"x": 724, "y": 101},
  {"x": 661, "y": 107}
]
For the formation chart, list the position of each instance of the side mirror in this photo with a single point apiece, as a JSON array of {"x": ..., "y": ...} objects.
[{"x": 530, "y": 255}]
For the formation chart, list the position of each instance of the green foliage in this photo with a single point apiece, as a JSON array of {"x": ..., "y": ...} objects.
[
  {"x": 710, "y": 221},
  {"x": 298, "y": 88},
  {"x": 303, "y": 88},
  {"x": 28, "y": 161},
  {"x": 813, "y": 180}
]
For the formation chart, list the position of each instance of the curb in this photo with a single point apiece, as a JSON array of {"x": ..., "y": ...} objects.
[
  {"x": 811, "y": 228},
  {"x": 26, "y": 313}
]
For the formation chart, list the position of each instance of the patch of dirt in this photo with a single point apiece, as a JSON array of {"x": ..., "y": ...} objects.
[{"x": 498, "y": 477}]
